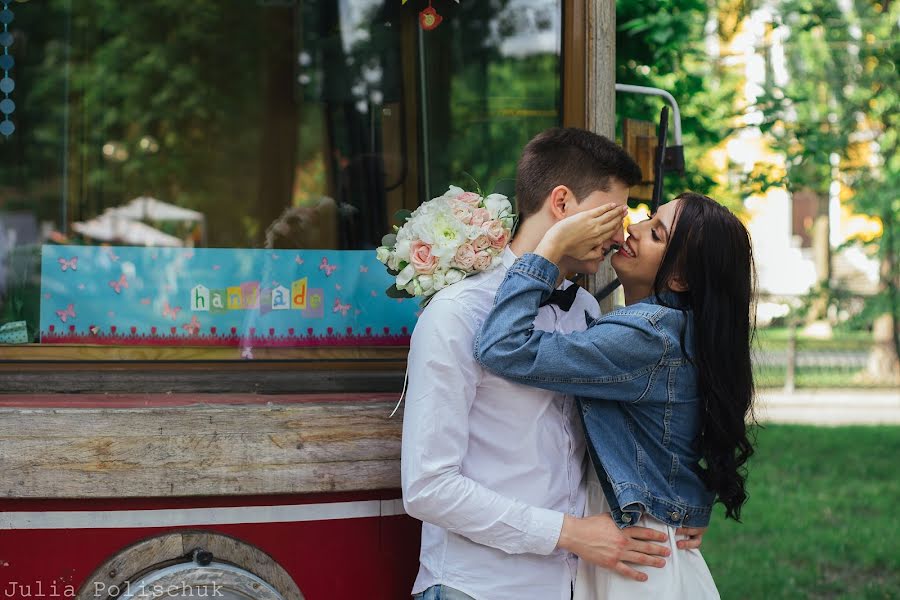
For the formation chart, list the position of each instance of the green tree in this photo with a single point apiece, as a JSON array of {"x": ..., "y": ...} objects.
[
  {"x": 841, "y": 102},
  {"x": 662, "y": 43}
]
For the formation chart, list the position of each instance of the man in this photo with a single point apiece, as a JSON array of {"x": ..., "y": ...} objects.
[{"x": 495, "y": 470}]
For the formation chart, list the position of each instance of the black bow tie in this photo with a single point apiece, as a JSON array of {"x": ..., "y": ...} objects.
[{"x": 562, "y": 298}]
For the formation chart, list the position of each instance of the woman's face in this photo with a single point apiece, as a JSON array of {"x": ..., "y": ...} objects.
[{"x": 637, "y": 262}]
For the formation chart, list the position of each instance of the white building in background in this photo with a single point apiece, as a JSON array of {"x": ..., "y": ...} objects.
[{"x": 784, "y": 259}]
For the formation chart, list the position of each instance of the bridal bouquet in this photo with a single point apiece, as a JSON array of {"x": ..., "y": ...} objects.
[{"x": 445, "y": 240}]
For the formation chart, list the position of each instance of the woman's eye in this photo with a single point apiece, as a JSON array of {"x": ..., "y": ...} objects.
[{"x": 653, "y": 233}]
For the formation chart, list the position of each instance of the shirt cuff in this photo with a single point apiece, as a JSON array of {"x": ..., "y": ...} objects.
[{"x": 546, "y": 527}]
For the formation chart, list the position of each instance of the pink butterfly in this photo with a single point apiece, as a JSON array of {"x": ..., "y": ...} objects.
[
  {"x": 118, "y": 285},
  {"x": 298, "y": 260},
  {"x": 341, "y": 308},
  {"x": 145, "y": 301},
  {"x": 69, "y": 312},
  {"x": 216, "y": 267},
  {"x": 193, "y": 327},
  {"x": 363, "y": 269},
  {"x": 324, "y": 266},
  {"x": 111, "y": 314},
  {"x": 374, "y": 294},
  {"x": 169, "y": 311},
  {"x": 64, "y": 264}
]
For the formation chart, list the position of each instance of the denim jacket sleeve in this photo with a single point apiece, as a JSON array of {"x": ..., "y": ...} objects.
[{"x": 613, "y": 359}]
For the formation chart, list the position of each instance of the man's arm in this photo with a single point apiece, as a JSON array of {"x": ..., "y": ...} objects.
[{"x": 443, "y": 378}]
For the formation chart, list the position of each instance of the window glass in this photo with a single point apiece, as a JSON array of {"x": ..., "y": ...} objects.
[{"x": 216, "y": 173}]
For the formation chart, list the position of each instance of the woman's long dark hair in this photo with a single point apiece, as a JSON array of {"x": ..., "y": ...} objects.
[{"x": 709, "y": 251}]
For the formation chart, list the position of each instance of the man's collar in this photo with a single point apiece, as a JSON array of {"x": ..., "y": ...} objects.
[{"x": 509, "y": 257}]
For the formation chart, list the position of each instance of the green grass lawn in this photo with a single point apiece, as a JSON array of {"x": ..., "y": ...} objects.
[{"x": 822, "y": 520}]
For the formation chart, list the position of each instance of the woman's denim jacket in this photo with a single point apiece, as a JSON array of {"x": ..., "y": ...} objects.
[{"x": 636, "y": 389}]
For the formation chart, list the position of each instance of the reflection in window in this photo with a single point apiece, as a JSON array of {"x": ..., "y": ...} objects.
[{"x": 278, "y": 124}]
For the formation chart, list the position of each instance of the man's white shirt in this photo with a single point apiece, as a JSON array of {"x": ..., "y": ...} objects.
[{"x": 488, "y": 465}]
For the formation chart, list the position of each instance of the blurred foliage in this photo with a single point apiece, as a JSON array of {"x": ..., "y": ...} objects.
[
  {"x": 842, "y": 98},
  {"x": 662, "y": 43}
]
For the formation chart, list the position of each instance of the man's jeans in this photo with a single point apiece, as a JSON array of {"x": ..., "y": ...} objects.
[{"x": 441, "y": 592}]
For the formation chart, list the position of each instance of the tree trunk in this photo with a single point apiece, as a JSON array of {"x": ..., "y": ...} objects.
[
  {"x": 884, "y": 360},
  {"x": 821, "y": 247}
]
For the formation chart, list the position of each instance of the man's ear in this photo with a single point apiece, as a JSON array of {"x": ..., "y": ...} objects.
[
  {"x": 560, "y": 198},
  {"x": 677, "y": 284}
]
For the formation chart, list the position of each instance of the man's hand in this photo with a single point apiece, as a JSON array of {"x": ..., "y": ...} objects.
[
  {"x": 598, "y": 540},
  {"x": 695, "y": 537}
]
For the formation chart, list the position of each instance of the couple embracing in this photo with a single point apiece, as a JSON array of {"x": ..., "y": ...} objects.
[{"x": 554, "y": 453}]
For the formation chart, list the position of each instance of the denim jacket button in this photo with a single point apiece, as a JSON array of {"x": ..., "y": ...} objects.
[
  {"x": 626, "y": 518},
  {"x": 675, "y": 516}
]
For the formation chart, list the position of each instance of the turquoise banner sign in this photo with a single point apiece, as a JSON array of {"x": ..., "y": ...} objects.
[{"x": 219, "y": 297}]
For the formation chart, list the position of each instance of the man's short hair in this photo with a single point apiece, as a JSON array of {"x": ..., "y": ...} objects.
[{"x": 581, "y": 160}]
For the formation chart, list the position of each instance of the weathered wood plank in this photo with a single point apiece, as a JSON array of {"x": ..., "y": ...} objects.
[
  {"x": 87, "y": 379},
  {"x": 198, "y": 450}
]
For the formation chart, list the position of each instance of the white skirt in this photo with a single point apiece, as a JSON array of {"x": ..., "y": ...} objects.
[{"x": 685, "y": 576}]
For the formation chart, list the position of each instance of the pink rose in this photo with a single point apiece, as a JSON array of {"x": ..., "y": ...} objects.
[
  {"x": 482, "y": 261},
  {"x": 463, "y": 212},
  {"x": 470, "y": 198},
  {"x": 494, "y": 230},
  {"x": 480, "y": 216},
  {"x": 500, "y": 242},
  {"x": 465, "y": 257},
  {"x": 421, "y": 258},
  {"x": 482, "y": 242}
]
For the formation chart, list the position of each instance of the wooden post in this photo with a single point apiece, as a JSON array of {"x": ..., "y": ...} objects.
[
  {"x": 790, "y": 373},
  {"x": 600, "y": 78}
]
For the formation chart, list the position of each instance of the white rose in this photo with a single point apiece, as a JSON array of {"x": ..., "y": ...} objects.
[
  {"x": 382, "y": 254},
  {"x": 454, "y": 276},
  {"x": 405, "y": 276},
  {"x": 427, "y": 282},
  {"x": 414, "y": 287},
  {"x": 498, "y": 205},
  {"x": 401, "y": 250},
  {"x": 438, "y": 280}
]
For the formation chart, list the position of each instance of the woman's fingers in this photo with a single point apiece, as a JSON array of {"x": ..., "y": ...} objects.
[{"x": 695, "y": 537}]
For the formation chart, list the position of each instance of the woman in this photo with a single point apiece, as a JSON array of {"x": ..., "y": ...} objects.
[{"x": 665, "y": 383}]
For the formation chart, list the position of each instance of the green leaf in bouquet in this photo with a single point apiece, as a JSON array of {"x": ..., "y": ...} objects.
[
  {"x": 389, "y": 240},
  {"x": 402, "y": 215},
  {"x": 395, "y": 292},
  {"x": 475, "y": 183}
]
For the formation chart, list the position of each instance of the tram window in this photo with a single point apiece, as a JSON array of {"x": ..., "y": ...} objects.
[{"x": 163, "y": 162}]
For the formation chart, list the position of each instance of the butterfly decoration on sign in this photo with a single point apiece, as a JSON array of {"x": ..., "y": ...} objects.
[
  {"x": 64, "y": 264},
  {"x": 118, "y": 285},
  {"x": 341, "y": 308},
  {"x": 193, "y": 327},
  {"x": 67, "y": 313},
  {"x": 170, "y": 311},
  {"x": 324, "y": 266}
]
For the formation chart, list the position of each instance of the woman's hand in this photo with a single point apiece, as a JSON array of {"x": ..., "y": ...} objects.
[
  {"x": 695, "y": 537},
  {"x": 582, "y": 235}
]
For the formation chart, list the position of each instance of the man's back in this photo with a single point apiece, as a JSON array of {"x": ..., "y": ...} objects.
[{"x": 489, "y": 465}]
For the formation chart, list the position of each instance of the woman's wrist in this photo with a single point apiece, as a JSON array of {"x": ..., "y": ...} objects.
[{"x": 548, "y": 249}]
